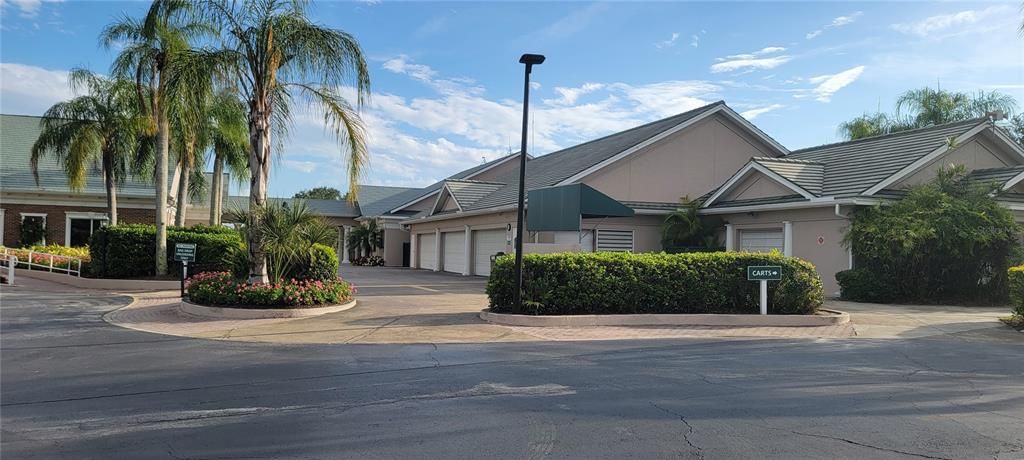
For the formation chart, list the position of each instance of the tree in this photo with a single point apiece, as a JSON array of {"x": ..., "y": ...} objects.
[
  {"x": 1016, "y": 129},
  {"x": 101, "y": 127},
  {"x": 684, "y": 229},
  {"x": 230, "y": 142},
  {"x": 919, "y": 108},
  {"x": 319, "y": 193},
  {"x": 148, "y": 46},
  {"x": 287, "y": 234},
  {"x": 366, "y": 237},
  {"x": 276, "y": 55}
]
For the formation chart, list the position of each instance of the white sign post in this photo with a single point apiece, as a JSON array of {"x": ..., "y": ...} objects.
[{"x": 763, "y": 274}]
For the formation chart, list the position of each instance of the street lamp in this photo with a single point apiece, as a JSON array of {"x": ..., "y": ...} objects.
[{"x": 530, "y": 60}]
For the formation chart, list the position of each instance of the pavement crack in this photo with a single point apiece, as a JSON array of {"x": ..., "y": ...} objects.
[
  {"x": 869, "y": 446},
  {"x": 431, "y": 354},
  {"x": 686, "y": 434}
]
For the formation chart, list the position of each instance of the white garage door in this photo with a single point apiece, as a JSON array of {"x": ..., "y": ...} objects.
[
  {"x": 485, "y": 244},
  {"x": 454, "y": 252},
  {"x": 761, "y": 240},
  {"x": 425, "y": 250}
]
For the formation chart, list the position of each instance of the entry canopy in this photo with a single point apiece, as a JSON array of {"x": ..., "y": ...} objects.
[{"x": 560, "y": 208}]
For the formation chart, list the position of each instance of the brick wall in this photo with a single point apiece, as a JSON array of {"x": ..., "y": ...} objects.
[{"x": 55, "y": 219}]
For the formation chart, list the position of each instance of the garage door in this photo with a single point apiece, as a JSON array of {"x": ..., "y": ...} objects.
[
  {"x": 454, "y": 252},
  {"x": 761, "y": 240},
  {"x": 425, "y": 250},
  {"x": 485, "y": 244}
]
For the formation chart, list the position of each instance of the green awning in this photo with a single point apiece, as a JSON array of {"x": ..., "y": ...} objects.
[{"x": 560, "y": 208}]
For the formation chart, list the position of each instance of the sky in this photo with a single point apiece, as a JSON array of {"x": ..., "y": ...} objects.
[{"x": 447, "y": 86}]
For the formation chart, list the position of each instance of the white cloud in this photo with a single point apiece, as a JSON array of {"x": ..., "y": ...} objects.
[
  {"x": 827, "y": 85},
  {"x": 838, "y": 21},
  {"x": 668, "y": 43},
  {"x": 303, "y": 166},
  {"x": 748, "y": 62},
  {"x": 30, "y": 90},
  {"x": 570, "y": 95},
  {"x": 401, "y": 65},
  {"x": 944, "y": 22},
  {"x": 755, "y": 112}
]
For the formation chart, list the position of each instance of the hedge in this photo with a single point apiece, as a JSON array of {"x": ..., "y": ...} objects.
[
  {"x": 126, "y": 251},
  {"x": 624, "y": 283},
  {"x": 863, "y": 285},
  {"x": 322, "y": 264},
  {"x": 1016, "y": 278}
]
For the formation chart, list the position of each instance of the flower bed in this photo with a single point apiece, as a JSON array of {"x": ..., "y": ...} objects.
[
  {"x": 222, "y": 290},
  {"x": 63, "y": 258}
]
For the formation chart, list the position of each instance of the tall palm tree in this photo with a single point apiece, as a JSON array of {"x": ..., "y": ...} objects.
[
  {"x": 866, "y": 125},
  {"x": 101, "y": 127},
  {"x": 229, "y": 139},
  {"x": 277, "y": 55},
  {"x": 148, "y": 46}
]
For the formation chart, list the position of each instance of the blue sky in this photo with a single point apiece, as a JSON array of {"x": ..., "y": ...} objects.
[{"x": 447, "y": 87}]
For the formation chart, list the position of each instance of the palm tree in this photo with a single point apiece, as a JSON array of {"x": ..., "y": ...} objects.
[
  {"x": 148, "y": 46},
  {"x": 101, "y": 127},
  {"x": 286, "y": 232},
  {"x": 365, "y": 237},
  {"x": 685, "y": 229},
  {"x": 925, "y": 106},
  {"x": 276, "y": 55},
  {"x": 229, "y": 138}
]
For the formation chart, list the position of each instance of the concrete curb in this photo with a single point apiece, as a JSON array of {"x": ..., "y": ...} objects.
[
  {"x": 100, "y": 283},
  {"x": 256, "y": 313},
  {"x": 823, "y": 318}
]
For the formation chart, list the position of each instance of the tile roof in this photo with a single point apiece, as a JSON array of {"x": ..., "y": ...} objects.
[
  {"x": 17, "y": 135},
  {"x": 418, "y": 194},
  {"x": 550, "y": 169},
  {"x": 809, "y": 175},
  {"x": 327, "y": 208},
  {"x": 376, "y": 200},
  {"x": 758, "y": 201},
  {"x": 855, "y": 166},
  {"x": 1000, "y": 175},
  {"x": 467, "y": 192}
]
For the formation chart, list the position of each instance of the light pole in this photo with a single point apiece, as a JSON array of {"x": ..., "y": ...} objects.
[{"x": 529, "y": 60}]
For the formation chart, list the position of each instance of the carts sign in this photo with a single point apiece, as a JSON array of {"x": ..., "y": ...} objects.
[{"x": 764, "y": 273}]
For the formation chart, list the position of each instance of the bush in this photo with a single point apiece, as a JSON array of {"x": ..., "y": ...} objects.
[
  {"x": 322, "y": 264},
  {"x": 65, "y": 259},
  {"x": 222, "y": 289},
  {"x": 126, "y": 251},
  {"x": 947, "y": 241},
  {"x": 1016, "y": 278},
  {"x": 624, "y": 283},
  {"x": 371, "y": 261},
  {"x": 862, "y": 285},
  {"x": 81, "y": 252}
]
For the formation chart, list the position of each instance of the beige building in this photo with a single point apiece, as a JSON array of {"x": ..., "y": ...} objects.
[{"x": 770, "y": 198}]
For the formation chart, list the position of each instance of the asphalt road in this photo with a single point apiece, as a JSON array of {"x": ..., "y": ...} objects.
[{"x": 76, "y": 387}]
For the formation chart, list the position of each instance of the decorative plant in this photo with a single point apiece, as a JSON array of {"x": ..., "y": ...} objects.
[
  {"x": 365, "y": 236},
  {"x": 32, "y": 231},
  {"x": 684, "y": 229}
]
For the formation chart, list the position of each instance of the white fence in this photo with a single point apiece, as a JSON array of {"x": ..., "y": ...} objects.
[{"x": 34, "y": 260}]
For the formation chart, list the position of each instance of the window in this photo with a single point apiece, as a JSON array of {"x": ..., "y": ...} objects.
[
  {"x": 615, "y": 240},
  {"x": 761, "y": 240},
  {"x": 81, "y": 225},
  {"x": 33, "y": 228}
]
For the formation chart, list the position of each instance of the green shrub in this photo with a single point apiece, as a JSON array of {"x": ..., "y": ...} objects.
[
  {"x": 126, "y": 251},
  {"x": 222, "y": 289},
  {"x": 1016, "y": 277},
  {"x": 322, "y": 264},
  {"x": 947, "y": 241},
  {"x": 624, "y": 283},
  {"x": 863, "y": 285},
  {"x": 81, "y": 252}
]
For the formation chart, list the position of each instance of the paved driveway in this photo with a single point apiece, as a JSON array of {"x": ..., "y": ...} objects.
[{"x": 75, "y": 386}]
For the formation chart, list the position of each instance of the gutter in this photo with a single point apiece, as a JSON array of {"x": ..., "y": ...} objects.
[{"x": 477, "y": 212}]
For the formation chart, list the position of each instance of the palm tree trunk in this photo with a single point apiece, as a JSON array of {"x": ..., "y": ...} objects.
[
  {"x": 216, "y": 191},
  {"x": 259, "y": 167},
  {"x": 108, "y": 182},
  {"x": 183, "y": 183},
  {"x": 162, "y": 147}
]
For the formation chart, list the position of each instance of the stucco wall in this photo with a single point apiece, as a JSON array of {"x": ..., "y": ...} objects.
[
  {"x": 829, "y": 257},
  {"x": 756, "y": 185},
  {"x": 691, "y": 162},
  {"x": 394, "y": 239},
  {"x": 977, "y": 153}
]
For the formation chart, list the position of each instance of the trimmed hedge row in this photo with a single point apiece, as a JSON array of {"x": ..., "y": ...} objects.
[
  {"x": 126, "y": 251},
  {"x": 624, "y": 283},
  {"x": 1016, "y": 278},
  {"x": 863, "y": 285}
]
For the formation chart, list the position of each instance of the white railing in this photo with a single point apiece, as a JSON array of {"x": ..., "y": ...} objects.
[
  {"x": 11, "y": 261},
  {"x": 45, "y": 261}
]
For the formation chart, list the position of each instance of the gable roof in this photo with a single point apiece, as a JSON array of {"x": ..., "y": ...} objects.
[
  {"x": 327, "y": 208},
  {"x": 559, "y": 167},
  {"x": 855, "y": 166},
  {"x": 417, "y": 195},
  {"x": 467, "y": 192},
  {"x": 809, "y": 175},
  {"x": 375, "y": 200},
  {"x": 998, "y": 175},
  {"x": 757, "y": 165}
]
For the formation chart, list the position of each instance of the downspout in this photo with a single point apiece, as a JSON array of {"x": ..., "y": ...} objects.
[{"x": 849, "y": 251}]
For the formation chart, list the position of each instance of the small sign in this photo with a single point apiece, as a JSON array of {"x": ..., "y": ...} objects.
[
  {"x": 764, "y": 273},
  {"x": 185, "y": 252},
  {"x": 821, "y": 241}
]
